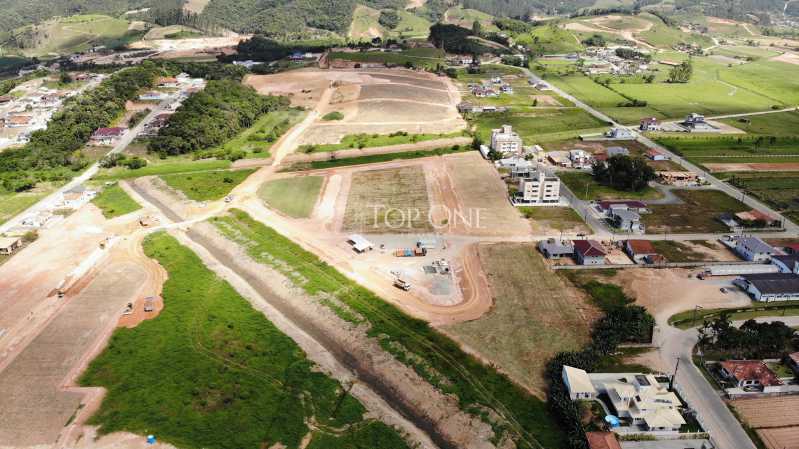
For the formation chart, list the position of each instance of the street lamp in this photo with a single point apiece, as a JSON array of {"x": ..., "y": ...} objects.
[{"x": 696, "y": 308}]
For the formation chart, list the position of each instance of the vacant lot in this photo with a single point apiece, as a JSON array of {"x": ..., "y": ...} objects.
[
  {"x": 229, "y": 371},
  {"x": 563, "y": 219},
  {"x": 392, "y": 200},
  {"x": 401, "y": 92},
  {"x": 540, "y": 126},
  {"x": 482, "y": 198},
  {"x": 114, "y": 202},
  {"x": 207, "y": 186},
  {"x": 737, "y": 150},
  {"x": 376, "y": 140},
  {"x": 698, "y": 213},
  {"x": 259, "y": 138},
  {"x": 12, "y": 204},
  {"x": 779, "y": 190},
  {"x": 585, "y": 188},
  {"x": 535, "y": 314},
  {"x": 693, "y": 251},
  {"x": 774, "y": 418},
  {"x": 777, "y": 124},
  {"x": 294, "y": 197}
]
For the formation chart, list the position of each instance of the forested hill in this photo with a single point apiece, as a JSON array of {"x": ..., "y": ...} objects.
[{"x": 18, "y": 13}]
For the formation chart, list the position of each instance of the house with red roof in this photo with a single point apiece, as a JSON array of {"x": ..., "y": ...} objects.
[
  {"x": 639, "y": 250},
  {"x": 107, "y": 136},
  {"x": 602, "y": 440},
  {"x": 589, "y": 252},
  {"x": 749, "y": 373}
]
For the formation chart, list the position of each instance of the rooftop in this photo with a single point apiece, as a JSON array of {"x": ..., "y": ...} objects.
[
  {"x": 109, "y": 132},
  {"x": 755, "y": 245},
  {"x": 641, "y": 247},
  {"x": 578, "y": 379},
  {"x": 630, "y": 204},
  {"x": 751, "y": 369},
  {"x": 590, "y": 248},
  {"x": 602, "y": 440}
]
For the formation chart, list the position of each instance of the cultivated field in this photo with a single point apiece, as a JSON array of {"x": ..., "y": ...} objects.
[
  {"x": 774, "y": 419},
  {"x": 734, "y": 150},
  {"x": 535, "y": 314},
  {"x": 391, "y": 200}
]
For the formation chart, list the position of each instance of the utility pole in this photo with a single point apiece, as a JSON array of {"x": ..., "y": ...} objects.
[
  {"x": 671, "y": 382},
  {"x": 693, "y": 320}
]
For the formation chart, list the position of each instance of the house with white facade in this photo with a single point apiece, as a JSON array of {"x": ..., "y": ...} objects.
[
  {"x": 578, "y": 383},
  {"x": 505, "y": 140},
  {"x": 538, "y": 188},
  {"x": 580, "y": 159},
  {"x": 770, "y": 287},
  {"x": 753, "y": 249}
]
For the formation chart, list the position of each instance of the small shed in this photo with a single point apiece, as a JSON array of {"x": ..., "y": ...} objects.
[
  {"x": 359, "y": 243},
  {"x": 427, "y": 243}
]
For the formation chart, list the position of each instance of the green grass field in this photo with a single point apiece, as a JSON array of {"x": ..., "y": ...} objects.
[
  {"x": 698, "y": 213},
  {"x": 212, "y": 372},
  {"x": 397, "y": 59},
  {"x": 777, "y": 124},
  {"x": 374, "y": 158},
  {"x": 542, "y": 126},
  {"x": 744, "y": 51},
  {"x": 585, "y": 188},
  {"x": 410, "y": 26},
  {"x": 294, "y": 197},
  {"x": 352, "y": 141},
  {"x": 714, "y": 89},
  {"x": 558, "y": 218},
  {"x": 434, "y": 356},
  {"x": 364, "y": 24},
  {"x": 779, "y": 190},
  {"x": 157, "y": 167},
  {"x": 114, "y": 202},
  {"x": 550, "y": 39},
  {"x": 259, "y": 138},
  {"x": 72, "y": 34},
  {"x": 466, "y": 17},
  {"x": 717, "y": 149},
  {"x": 12, "y": 204},
  {"x": 207, "y": 186}
]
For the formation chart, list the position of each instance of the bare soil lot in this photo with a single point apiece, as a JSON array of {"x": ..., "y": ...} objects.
[
  {"x": 536, "y": 314},
  {"x": 34, "y": 408},
  {"x": 775, "y": 419},
  {"x": 391, "y": 200},
  {"x": 483, "y": 197},
  {"x": 404, "y": 92},
  {"x": 406, "y": 113},
  {"x": 754, "y": 166}
]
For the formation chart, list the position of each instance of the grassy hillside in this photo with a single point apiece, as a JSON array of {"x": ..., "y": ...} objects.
[
  {"x": 19, "y": 13},
  {"x": 69, "y": 34}
]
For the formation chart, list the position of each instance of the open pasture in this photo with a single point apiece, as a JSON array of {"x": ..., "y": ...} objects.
[
  {"x": 779, "y": 190},
  {"x": 294, "y": 196},
  {"x": 541, "y": 126},
  {"x": 778, "y": 124},
  {"x": 745, "y": 51},
  {"x": 716, "y": 150},
  {"x": 207, "y": 186},
  {"x": 388, "y": 201},
  {"x": 536, "y": 314}
]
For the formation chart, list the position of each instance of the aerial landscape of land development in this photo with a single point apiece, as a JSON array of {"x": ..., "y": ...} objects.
[{"x": 397, "y": 224}]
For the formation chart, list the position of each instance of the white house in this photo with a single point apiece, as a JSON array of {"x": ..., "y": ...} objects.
[
  {"x": 580, "y": 158},
  {"x": 578, "y": 383},
  {"x": 107, "y": 136},
  {"x": 620, "y": 134},
  {"x": 153, "y": 96},
  {"x": 538, "y": 188},
  {"x": 753, "y": 249},
  {"x": 504, "y": 140}
]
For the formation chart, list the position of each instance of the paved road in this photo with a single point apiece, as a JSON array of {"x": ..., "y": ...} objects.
[
  {"x": 47, "y": 202},
  {"x": 747, "y": 114}
]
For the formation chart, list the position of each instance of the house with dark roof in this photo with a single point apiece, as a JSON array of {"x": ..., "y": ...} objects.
[
  {"x": 753, "y": 249},
  {"x": 607, "y": 207},
  {"x": 768, "y": 287},
  {"x": 787, "y": 264},
  {"x": 749, "y": 373},
  {"x": 554, "y": 249},
  {"x": 107, "y": 136},
  {"x": 639, "y": 250},
  {"x": 588, "y": 252}
]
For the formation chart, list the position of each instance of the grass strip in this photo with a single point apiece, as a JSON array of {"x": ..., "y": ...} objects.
[
  {"x": 212, "y": 372},
  {"x": 437, "y": 358},
  {"x": 376, "y": 158}
]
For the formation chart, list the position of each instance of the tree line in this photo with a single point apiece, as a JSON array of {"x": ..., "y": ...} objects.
[
  {"x": 54, "y": 153},
  {"x": 213, "y": 116}
]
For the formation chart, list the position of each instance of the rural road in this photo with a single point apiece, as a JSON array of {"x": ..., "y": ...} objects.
[
  {"x": 86, "y": 175},
  {"x": 716, "y": 418}
]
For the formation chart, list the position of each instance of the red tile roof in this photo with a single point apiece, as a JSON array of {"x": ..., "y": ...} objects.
[
  {"x": 641, "y": 247},
  {"x": 602, "y": 440},
  {"x": 109, "y": 132},
  {"x": 792, "y": 246},
  {"x": 751, "y": 370},
  {"x": 590, "y": 248}
]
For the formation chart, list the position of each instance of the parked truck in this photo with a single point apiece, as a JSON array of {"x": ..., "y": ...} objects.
[{"x": 399, "y": 283}]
